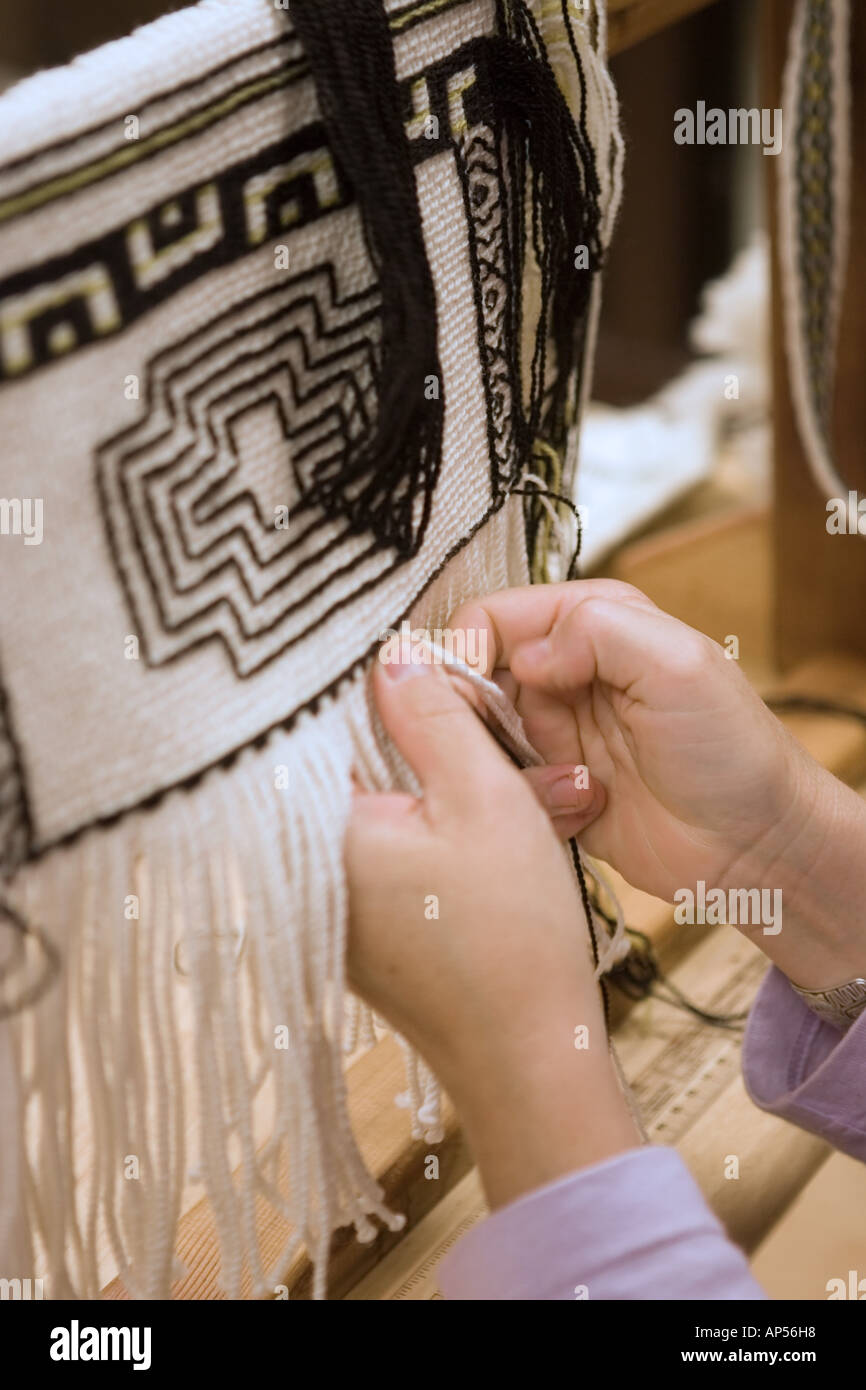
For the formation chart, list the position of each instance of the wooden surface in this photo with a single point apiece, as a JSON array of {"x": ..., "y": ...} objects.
[
  {"x": 820, "y": 580},
  {"x": 715, "y": 574},
  {"x": 818, "y": 1221},
  {"x": 675, "y": 225},
  {"x": 629, "y": 21},
  {"x": 686, "y": 1079}
]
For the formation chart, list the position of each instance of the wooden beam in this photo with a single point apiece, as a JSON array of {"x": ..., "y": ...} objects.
[
  {"x": 630, "y": 21},
  {"x": 820, "y": 579}
]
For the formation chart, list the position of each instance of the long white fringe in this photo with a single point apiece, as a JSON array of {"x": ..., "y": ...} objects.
[{"x": 195, "y": 1033}]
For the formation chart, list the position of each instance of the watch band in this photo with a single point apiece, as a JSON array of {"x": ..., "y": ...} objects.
[{"x": 842, "y": 1005}]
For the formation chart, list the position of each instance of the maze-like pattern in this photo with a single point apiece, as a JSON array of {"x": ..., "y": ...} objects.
[{"x": 210, "y": 501}]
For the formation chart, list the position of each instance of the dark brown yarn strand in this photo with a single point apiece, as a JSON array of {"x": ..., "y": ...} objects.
[{"x": 386, "y": 483}]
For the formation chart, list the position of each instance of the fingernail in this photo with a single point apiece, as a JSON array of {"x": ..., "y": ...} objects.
[
  {"x": 564, "y": 795},
  {"x": 406, "y": 667}
]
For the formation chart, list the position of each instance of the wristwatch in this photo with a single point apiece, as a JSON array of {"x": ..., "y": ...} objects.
[{"x": 842, "y": 1005}]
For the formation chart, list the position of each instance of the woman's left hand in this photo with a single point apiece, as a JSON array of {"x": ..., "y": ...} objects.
[{"x": 467, "y": 934}]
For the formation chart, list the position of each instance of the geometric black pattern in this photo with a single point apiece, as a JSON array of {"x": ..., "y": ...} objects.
[
  {"x": 493, "y": 269},
  {"x": 219, "y": 502},
  {"x": 210, "y": 500},
  {"x": 261, "y": 412},
  {"x": 98, "y": 288},
  {"x": 14, "y": 817}
]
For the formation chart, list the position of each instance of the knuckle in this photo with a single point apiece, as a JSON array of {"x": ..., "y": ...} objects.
[
  {"x": 595, "y": 612},
  {"x": 690, "y": 656},
  {"x": 620, "y": 589}
]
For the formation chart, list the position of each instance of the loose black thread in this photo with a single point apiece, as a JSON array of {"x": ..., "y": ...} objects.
[
  {"x": 639, "y": 976},
  {"x": 551, "y": 157},
  {"x": 590, "y": 922},
  {"x": 552, "y": 161},
  {"x": 532, "y": 525},
  {"x": 385, "y": 483}
]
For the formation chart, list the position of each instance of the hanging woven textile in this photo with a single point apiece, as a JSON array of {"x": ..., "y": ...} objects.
[
  {"x": 296, "y": 318},
  {"x": 813, "y": 216}
]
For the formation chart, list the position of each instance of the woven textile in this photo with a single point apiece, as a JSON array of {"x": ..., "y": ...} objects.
[
  {"x": 203, "y": 326},
  {"x": 814, "y": 223}
]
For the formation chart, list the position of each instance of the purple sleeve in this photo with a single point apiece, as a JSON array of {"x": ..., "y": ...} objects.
[
  {"x": 637, "y": 1226},
  {"x": 633, "y": 1227},
  {"x": 804, "y": 1070}
]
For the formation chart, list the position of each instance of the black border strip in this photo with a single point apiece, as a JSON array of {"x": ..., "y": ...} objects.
[{"x": 7, "y": 732}]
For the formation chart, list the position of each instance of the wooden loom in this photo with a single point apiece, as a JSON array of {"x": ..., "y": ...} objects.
[{"x": 787, "y": 592}]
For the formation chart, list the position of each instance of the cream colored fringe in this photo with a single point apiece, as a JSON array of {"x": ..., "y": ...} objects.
[{"x": 197, "y": 940}]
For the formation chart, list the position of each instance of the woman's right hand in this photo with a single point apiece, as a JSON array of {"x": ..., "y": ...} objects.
[{"x": 693, "y": 778}]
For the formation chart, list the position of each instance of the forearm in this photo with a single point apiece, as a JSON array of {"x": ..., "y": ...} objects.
[{"x": 544, "y": 1115}]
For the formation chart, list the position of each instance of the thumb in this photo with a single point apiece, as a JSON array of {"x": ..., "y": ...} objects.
[{"x": 444, "y": 742}]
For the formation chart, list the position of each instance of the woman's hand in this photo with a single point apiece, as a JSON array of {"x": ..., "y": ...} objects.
[
  {"x": 695, "y": 769},
  {"x": 698, "y": 779},
  {"x": 467, "y": 934}
]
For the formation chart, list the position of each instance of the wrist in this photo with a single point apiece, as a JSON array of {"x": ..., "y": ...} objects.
[
  {"x": 814, "y": 860},
  {"x": 547, "y": 1114}
]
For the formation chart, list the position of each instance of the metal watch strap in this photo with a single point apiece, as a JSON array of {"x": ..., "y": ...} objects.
[{"x": 840, "y": 1006}]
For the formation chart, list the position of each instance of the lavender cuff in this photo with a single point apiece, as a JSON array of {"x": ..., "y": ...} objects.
[
  {"x": 804, "y": 1070},
  {"x": 633, "y": 1227}
]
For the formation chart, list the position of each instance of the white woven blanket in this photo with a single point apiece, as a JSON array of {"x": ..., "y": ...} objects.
[{"x": 190, "y": 343}]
